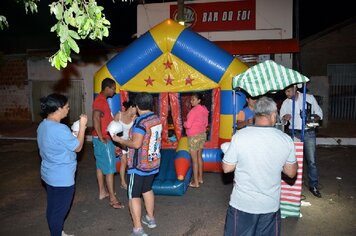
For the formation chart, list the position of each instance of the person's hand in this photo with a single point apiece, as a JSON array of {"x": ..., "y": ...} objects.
[
  {"x": 316, "y": 117},
  {"x": 83, "y": 120},
  {"x": 287, "y": 117},
  {"x": 250, "y": 121},
  {"x": 116, "y": 138},
  {"x": 103, "y": 140}
]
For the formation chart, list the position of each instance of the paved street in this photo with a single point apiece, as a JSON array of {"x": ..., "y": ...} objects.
[{"x": 199, "y": 212}]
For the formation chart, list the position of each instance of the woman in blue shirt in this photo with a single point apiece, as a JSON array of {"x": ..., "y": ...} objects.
[
  {"x": 58, "y": 147},
  {"x": 245, "y": 116}
]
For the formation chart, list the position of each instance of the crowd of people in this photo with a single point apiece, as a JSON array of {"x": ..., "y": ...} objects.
[{"x": 254, "y": 202}]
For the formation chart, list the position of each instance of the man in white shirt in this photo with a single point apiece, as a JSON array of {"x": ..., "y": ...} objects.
[
  {"x": 258, "y": 154},
  {"x": 309, "y": 133}
]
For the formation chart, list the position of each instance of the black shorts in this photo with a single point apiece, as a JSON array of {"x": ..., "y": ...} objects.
[{"x": 137, "y": 185}]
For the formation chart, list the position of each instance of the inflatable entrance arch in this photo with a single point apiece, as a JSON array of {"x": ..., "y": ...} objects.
[{"x": 171, "y": 61}]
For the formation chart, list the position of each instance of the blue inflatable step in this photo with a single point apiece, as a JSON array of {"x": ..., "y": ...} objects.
[{"x": 166, "y": 182}]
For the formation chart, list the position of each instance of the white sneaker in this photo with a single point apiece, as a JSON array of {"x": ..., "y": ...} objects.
[
  {"x": 150, "y": 222},
  {"x": 64, "y": 234},
  {"x": 139, "y": 232}
]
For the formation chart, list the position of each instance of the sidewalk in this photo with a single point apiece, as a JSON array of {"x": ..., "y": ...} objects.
[{"x": 341, "y": 133}]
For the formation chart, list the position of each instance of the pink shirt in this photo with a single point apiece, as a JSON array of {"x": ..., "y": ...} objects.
[{"x": 197, "y": 120}]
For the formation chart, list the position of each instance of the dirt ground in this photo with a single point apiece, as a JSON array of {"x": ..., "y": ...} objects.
[{"x": 199, "y": 212}]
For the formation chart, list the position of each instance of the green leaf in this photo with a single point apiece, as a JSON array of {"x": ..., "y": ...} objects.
[
  {"x": 106, "y": 22},
  {"x": 105, "y": 32},
  {"x": 57, "y": 10},
  {"x": 54, "y": 28},
  {"x": 63, "y": 63},
  {"x": 63, "y": 32},
  {"x": 62, "y": 56},
  {"x": 73, "y": 45},
  {"x": 66, "y": 48},
  {"x": 73, "y": 34},
  {"x": 3, "y": 22},
  {"x": 57, "y": 62},
  {"x": 86, "y": 24}
]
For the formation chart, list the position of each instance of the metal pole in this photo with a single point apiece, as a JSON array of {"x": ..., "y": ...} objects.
[
  {"x": 296, "y": 56},
  {"x": 180, "y": 15}
]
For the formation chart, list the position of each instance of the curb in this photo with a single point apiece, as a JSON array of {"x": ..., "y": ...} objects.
[{"x": 336, "y": 141}]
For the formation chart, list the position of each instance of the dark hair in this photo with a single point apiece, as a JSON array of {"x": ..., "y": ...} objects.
[
  {"x": 248, "y": 96},
  {"x": 52, "y": 102},
  {"x": 107, "y": 82},
  {"x": 144, "y": 101},
  {"x": 200, "y": 96},
  {"x": 128, "y": 104}
]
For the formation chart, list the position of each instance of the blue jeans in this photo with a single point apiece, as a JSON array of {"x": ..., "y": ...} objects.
[
  {"x": 310, "y": 155},
  {"x": 245, "y": 224}
]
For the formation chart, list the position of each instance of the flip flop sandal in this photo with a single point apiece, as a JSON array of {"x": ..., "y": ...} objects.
[{"x": 116, "y": 205}]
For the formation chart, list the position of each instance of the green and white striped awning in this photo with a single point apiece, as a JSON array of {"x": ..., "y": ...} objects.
[{"x": 267, "y": 76}]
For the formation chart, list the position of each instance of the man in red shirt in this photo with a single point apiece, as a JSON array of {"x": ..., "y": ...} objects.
[{"x": 104, "y": 148}]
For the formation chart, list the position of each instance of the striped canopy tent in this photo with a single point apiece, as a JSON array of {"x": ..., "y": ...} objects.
[{"x": 267, "y": 76}]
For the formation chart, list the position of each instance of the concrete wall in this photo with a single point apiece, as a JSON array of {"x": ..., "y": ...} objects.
[
  {"x": 39, "y": 69},
  {"x": 14, "y": 89},
  {"x": 18, "y": 72}
]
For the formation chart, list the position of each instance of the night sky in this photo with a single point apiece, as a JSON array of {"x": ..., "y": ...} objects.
[{"x": 33, "y": 30}]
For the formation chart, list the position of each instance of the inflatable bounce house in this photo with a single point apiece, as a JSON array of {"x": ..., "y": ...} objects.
[{"x": 170, "y": 62}]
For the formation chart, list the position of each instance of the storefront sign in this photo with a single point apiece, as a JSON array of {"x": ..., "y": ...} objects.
[{"x": 219, "y": 16}]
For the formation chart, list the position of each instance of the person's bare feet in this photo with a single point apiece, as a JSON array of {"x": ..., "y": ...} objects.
[
  {"x": 124, "y": 186},
  {"x": 192, "y": 185}
]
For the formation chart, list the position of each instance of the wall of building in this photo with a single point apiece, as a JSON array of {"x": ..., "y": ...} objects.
[
  {"x": 23, "y": 77},
  {"x": 39, "y": 69},
  {"x": 319, "y": 87},
  {"x": 14, "y": 89},
  {"x": 329, "y": 47}
]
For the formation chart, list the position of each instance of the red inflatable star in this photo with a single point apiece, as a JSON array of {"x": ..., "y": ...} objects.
[
  {"x": 168, "y": 65},
  {"x": 149, "y": 81},
  {"x": 189, "y": 80},
  {"x": 169, "y": 80}
]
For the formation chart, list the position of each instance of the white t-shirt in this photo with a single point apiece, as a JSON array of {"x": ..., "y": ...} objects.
[
  {"x": 259, "y": 154},
  {"x": 287, "y": 105}
]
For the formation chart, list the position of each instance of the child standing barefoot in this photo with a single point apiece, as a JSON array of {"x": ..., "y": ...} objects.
[{"x": 196, "y": 124}]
